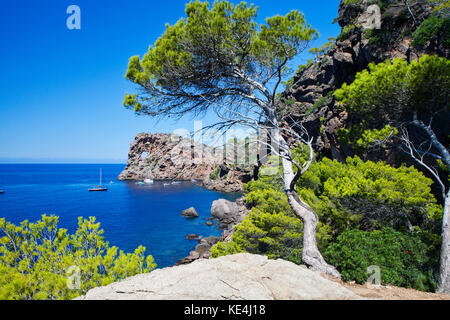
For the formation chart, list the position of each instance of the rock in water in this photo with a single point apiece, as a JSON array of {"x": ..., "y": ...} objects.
[
  {"x": 238, "y": 277},
  {"x": 190, "y": 213},
  {"x": 192, "y": 237},
  {"x": 227, "y": 212}
]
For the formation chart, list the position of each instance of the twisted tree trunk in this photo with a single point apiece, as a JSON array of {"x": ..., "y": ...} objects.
[
  {"x": 444, "y": 274},
  {"x": 311, "y": 255}
]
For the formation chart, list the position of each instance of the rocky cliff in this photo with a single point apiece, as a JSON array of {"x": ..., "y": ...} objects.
[
  {"x": 165, "y": 157},
  {"x": 168, "y": 157},
  {"x": 310, "y": 94}
]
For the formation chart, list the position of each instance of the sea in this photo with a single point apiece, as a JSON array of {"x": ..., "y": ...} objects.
[{"x": 130, "y": 214}]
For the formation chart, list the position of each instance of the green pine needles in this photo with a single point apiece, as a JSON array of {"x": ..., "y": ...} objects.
[{"x": 41, "y": 261}]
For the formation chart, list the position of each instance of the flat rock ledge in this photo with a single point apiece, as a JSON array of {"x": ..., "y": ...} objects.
[{"x": 237, "y": 277}]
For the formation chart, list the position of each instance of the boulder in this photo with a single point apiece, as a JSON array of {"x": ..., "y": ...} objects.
[
  {"x": 237, "y": 277},
  {"x": 193, "y": 237},
  {"x": 190, "y": 213},
  {"x": 227, "y": 212}
]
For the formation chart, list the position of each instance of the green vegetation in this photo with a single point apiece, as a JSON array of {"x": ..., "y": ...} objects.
[
  {"x": 402, "y": 258},
  {"x": 317, "y": 52},
  {"x": 346, "y": 32},
  {"x": 431, "y": 28},
  {"x": 215, "y": 174},
  {"x": 319, "y": 104},
  {"x": 391, "y": 90},
  {"x": 408, "y": 98},
  {"x": 375, "y": 36},
  {"x": 355, "y": 198},
  {"x": 440, "y": 4},
  {"x": 41, "y": 261}
]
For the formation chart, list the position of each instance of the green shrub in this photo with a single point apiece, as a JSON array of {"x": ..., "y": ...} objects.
[
  {"x": 369, "y": 195},
  {"x": 271, "y": 229},
  {"x": 402, "y": 258},
  {"x": 39, "y": 260},
  {"x": 431, "y": 27},
  {"x": 346, "y": 32},
  {"x": 349, "y": 198},
  {"x": 375, "y": 36},
  {"x": 215, "y": 174}
]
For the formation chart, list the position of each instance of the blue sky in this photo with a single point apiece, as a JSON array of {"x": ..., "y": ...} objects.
[{"x": 61, "y": 91}]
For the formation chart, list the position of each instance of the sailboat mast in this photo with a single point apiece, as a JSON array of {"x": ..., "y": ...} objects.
[{"x": 100, "y": 176}]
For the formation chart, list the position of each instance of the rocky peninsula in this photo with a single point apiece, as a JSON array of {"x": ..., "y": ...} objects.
[{"x": 163, "y": 157}]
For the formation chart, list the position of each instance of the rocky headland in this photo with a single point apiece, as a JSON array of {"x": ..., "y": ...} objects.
[{"x": 167, "y": 157}]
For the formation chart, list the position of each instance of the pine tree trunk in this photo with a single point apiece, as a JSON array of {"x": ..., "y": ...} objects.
[
  {"x": 444, "y": 273},
  {"x": 311, "y": 255}
]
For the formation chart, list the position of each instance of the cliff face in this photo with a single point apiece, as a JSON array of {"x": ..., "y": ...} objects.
[
  {"x": 162, "y": 157},
  {"x": 165, "y": 157},
  {"x": 354, "y": 49}
]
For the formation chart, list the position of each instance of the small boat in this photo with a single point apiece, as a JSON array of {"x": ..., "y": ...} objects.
[
  {"x": 99, "y": 187},
  {"x": 1, "y": 191},
  {"x": 148, "y": 181},
  {"x": 166, "y": 184},
  {"x": 140, "y": 183},
  {"x": 176, "y": 182}
]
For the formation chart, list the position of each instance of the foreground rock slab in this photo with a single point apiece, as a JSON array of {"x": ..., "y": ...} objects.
[{"x": 237, "y": 277}]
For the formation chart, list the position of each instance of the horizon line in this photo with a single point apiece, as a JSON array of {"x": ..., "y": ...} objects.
[{"x": 24, "y": 160}]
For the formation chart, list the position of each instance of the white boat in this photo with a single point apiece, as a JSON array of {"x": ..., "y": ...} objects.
[
  {"x": 176, "y": 182},
  {"x": 166, "y": 184},
  {"x": 99, "y": 188},
  {"x": 148, "y": 181}
]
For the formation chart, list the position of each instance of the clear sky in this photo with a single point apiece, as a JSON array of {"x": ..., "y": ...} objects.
[{"x": 61, "y": 91}]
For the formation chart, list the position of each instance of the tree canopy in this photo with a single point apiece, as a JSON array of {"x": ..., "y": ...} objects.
[
  {"x": 41, "y": 261},
  {"x": 216, "y": 54},
  {"x": 394, "y": 91}
]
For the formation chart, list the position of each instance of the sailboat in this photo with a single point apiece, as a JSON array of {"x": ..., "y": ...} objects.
[{"x": 99, "y": 187}]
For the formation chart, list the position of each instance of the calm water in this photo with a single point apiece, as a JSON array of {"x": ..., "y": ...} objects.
[{"x": 130, "y": 214}]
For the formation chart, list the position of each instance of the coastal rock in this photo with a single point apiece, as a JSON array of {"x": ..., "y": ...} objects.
[
  {"x": 237, "y": 277},
  {"x": 168, "y": 157},
  {"x": 357, "y": 47},
  {"x": 190, "y": 213},
  {"x": 193, "y": 237},
  {"x": 212, "y": 240},
  {"x": 228, "y": 213},
  {"x": 230, "y": 178}
]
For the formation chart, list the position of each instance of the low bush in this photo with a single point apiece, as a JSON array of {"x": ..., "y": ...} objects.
[{"x": 402, "y": 258}]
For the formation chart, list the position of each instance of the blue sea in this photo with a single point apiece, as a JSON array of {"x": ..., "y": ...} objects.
[{"x": 130, "y": 214}]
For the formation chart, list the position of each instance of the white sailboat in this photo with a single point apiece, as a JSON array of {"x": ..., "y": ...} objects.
[{"x": 99, "y": 187}]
